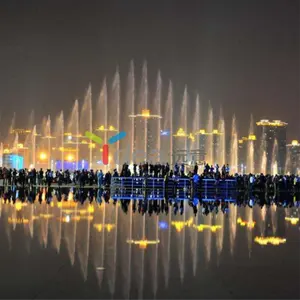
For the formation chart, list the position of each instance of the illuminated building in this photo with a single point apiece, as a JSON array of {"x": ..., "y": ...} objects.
[
  {"x": 13, "y": 161},
  {"x": 269, "y": 132},
  {"x": 146, "y": 127},
  {"x": 293, "y": 152},
  {"x": 243, "y": 146},
  {"x": 202, "y": 137}
]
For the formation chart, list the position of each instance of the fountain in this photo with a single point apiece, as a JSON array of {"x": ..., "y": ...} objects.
[
  {"x": 85, "y": 124},
  {"x": 275, "y": 158},
  {"x": 234, "y": 147},
  {"x": 101, "y": 115},
  {"x": 131, "y": 103},
  {"x": 196, "y": 125},
  {"x": 209, "y": 141},
  {"x": 144, "y": 102},
  {"x": 168, "y": 123},
  {"x": 250, "y": 148},
  {"x": 221, "y": 157},
  {"x": 60, "y": 135},
  {"x": 73, "y": 130},
  {"x": 33, "y": 146},
  {"x": 114, "y": 118},
  {"x": 157, "y": 102}
]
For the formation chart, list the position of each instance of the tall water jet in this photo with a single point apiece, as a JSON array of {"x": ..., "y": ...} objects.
[
  {"x": 275, "y": 158},
  {"x": 116, "y": 94},
  {"x": 221, "y": 157},
  {"x": 157, "y": 102},
  {"x": 234, "y": 147},
  {"x": 1, "y": 156},
  {"x": 73, "y": 129},
  {"x": 144, "y": 100},
  {"x": 11, "y": 128},
  {"x": 250, "y": 148},
  {"x": 59, "y": 135},
  {"x": 86, "y": 123},
  {"x": 101, "y": 115},
  {"x": 168, "y": 122},
  {"x": 48, "y": 137},
  {"x": 15, "y": 144},
  {"x": 33, "y": 146},
  {"x": 131, "y": 102},
  {"x": 196, "y": 124},
  {"x": 209, "y": 141},
  {"x": 31, "y": 120}
]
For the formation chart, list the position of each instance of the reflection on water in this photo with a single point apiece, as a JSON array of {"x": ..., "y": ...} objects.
[{"x": 140, "y": 253}]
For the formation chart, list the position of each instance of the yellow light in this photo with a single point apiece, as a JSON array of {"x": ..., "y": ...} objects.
[
  {"x": 98, "y": 227},
  {"x": 46, "y": 216},
  {"x": 275, "y": 241},
  {"x": 192, "y": 137},
  {"x": 295, "y": 143},
  {"x": 92, "y": 146},
  {"x": 292, "y": 220},
  {"x": 91, "y": 209},
  {"x": 101, "y": 128},
  {"x": 18, "y": 206},
  {"x": 202, "y": 131},
  {"x": 112, "y": 128},
  {"x": 143, "y": 243},
  {"x": 215, "y": 131},
  {"x": 179, "y": 225},
  {"x": 180, "y": 133},
  {"x": 212, "y": 228},
  {"x": 84, "y": 142},
  {"x": 146, "y": 113},
  {"x": 70, "y": 157},
  {"x": 43, "y": 156},
  {"x": 252, "y": 137},
  {"x": 242, "y": 223},
  {"x": 17, "y": 221},
  {"x": 6, "y": 150},
  {"x": 20, "y": 146},
  {"x": 275, "y": 123}
]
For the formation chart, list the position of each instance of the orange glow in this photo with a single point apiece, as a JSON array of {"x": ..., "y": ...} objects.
[
  {"x": 43, "y": 156},
  {"x": 70, "y": 157},
  {"x": 18, "y": 221}
]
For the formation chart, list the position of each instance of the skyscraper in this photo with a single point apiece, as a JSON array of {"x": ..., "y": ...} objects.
[
  {"x": 293, "y": 154},
  {"x": 272, "y": 135}
]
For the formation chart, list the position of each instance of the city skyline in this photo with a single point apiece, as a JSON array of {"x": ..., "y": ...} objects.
[{"x": 241, "y": 56}]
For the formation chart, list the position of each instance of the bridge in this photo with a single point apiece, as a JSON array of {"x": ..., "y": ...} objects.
[{"x": 183, "y": 188}]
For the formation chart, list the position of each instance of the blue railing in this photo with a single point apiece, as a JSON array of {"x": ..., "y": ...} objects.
[{"x": 174, "y": 188}]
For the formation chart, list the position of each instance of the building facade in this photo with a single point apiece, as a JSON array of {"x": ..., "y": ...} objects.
[
  {"x": 272, "y": 135},
  {"x": 293, "y": 154}
]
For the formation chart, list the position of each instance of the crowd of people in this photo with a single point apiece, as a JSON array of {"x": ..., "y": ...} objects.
[{"x": 84, "y": 178}]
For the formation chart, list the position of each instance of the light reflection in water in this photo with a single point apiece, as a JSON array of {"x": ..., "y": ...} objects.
[{"x": 104, "y": 237}]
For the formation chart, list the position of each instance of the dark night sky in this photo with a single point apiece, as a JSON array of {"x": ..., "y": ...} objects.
[{"x": 243, "y": 55}]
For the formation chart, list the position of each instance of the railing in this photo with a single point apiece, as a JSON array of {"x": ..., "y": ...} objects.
[{"x": 173, "y": 188}]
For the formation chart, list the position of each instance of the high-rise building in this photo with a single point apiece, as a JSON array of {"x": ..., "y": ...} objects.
[
  {"x": 293, "y": 154},
  {"x": 272, "y": 135},
  {"x": 247, "y": 154}
]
